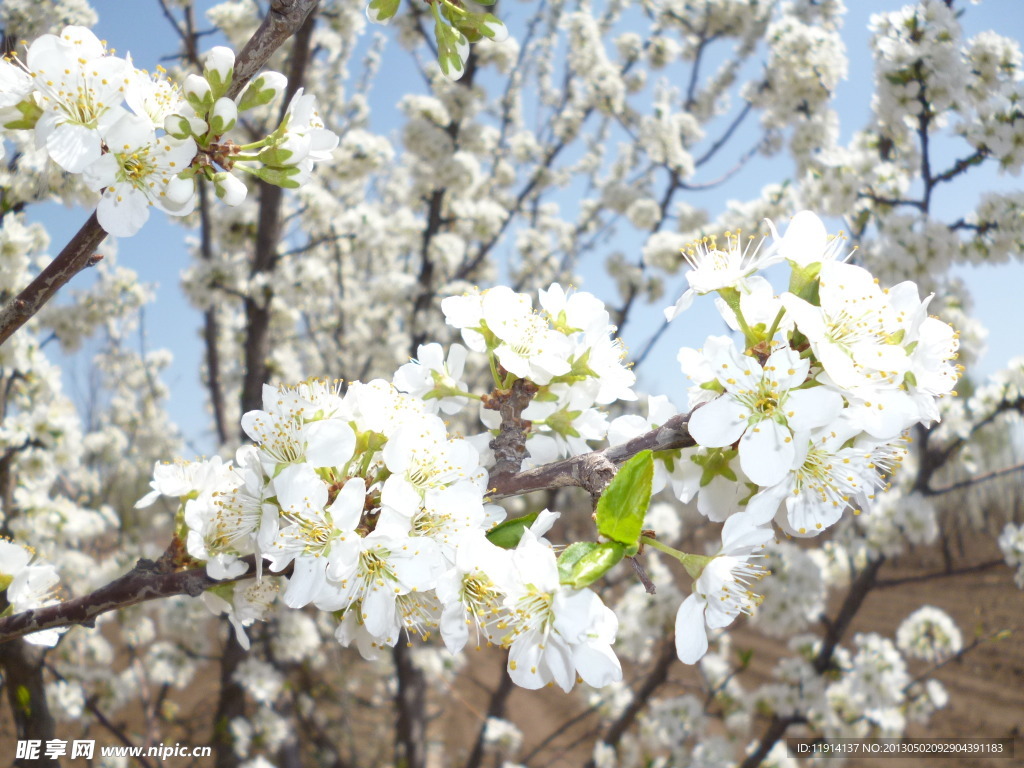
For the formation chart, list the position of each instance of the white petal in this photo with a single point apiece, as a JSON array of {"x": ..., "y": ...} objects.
[
  {"x": 73, "y": 147},
  {"x": 719, "y": 423},
  {"x": 122, "y": 210},
  {"x": 808, "y": 409},
  {"x": 691, "y": 634},
  {"x": 597, "y": 664},
  {"x": 329, "y": 443},
  {"x": 767, "y": 452}
]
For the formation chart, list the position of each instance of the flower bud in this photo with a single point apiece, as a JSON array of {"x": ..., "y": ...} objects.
[
  {"x": 178, "y": 126},
  {"x": 179, "y": 193},
  {"x": 219, "y": 68},
  {"x": 198, "y": 94},
  {"x": 229, "y": 189},
  {"x": 263, "y": 89},
  {"x": 225, "y": 113}
]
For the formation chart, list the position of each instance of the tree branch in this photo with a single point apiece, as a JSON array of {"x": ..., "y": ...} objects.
[
  {"x": 654, "y": 680},
  {"x": 281, "y": 22},
  {"x": 148, "y": 580},
  {"x": 77, "y": 255},
  {"x": 593, "y": 471}
]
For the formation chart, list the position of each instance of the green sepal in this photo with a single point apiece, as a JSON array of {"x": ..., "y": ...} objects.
[
  {"x": 279, "y": 177},
  {"x": 507, "y": 534},
  {"x": 478, "y": 25},
  {"x": 30, "y": 113},
  {"x": 803, "y": 281},
  {"x": 622, "y": 506},
  {"x": 218, "y": 86},
  {"x": 451, "y": 44},
  {"x": 715, "y": 462},
  {"x": 225, "y": 592},
  {"x": 381, "y": 11},
  {"x": 583, "y": 563},
  {"x": 276, "y": 157}
]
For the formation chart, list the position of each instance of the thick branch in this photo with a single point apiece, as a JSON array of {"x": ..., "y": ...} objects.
[
  {"x": 510, "y": 445},
  {"x": 654, "y": 680},
  {"x": 410, "y": 700},
  {"x": 146, "y": 581},
  {"x": 495, "y": 709},
  {"x": 268, "y": 238},
  {"x": 22, "y": 666},
  {"x": 835, "y": 630},
  {"x": 594, "y": 470}
]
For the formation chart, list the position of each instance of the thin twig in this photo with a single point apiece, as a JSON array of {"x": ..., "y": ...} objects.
[{"x": 975, "y": 480}]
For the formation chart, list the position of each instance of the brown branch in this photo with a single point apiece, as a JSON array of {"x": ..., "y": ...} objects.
[
  {"x": 975, "y": 480},
  {"x": 147, "y": 581},
  {"x": 211, "y": 325},
  {"x": 510, "y": 445},
  {"x": 77, "y": 255},
  {"x": 410, "y": 700},
  {"x": 281, "y": 22},
  {"x": 654, "y": 680},
  {"x": 268, "y": 237},
  {"x": 592, "y": 471},
  {"x": 22, "y": 666},
  {"x": 863, "y": 584},
  {"x": 834, "y": 632},
  {"x": 496, "y": 708},
  {"x": 977, "y": 568}
]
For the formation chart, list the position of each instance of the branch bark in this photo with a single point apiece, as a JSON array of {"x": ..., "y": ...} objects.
[
  {"x": 77, "y": 255},
  {"x": 593, "y": 471},
  {"x": 281, "y": 22},
  {"x": 148, "y": 580},
  {"x": 22, "y": 666}
]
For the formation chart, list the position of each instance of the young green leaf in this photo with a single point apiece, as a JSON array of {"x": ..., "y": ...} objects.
[
  {"x": 589, "y": 562},
  {"x": 622, "y": 506},
  {"x": 507, "y": 534},
  {"x": 570, "y": 556}
]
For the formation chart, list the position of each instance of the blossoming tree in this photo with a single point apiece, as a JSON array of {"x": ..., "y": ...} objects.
[{"x": 426, "y": 438}]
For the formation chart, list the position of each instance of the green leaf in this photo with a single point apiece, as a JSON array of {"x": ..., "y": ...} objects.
[
  {"x": 622, "y": 506},
  {"x": 583, "y": 563},
  {"x": 570, "y": 556},
  {"x": 381, "y": 11},
  {"x": 507, "y": 534}
]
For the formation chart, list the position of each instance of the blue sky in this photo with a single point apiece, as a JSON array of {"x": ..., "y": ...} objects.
[{"x": 158, "y": 253}]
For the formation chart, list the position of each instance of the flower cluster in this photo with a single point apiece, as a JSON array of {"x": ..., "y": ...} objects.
[
  {"x": 141, "y": 140},
  {"x": 377, "y": 513},
  {"x": 566, "y": 349}
]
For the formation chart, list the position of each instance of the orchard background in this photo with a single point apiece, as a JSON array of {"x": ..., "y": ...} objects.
[{"x": 590, "y": 148}]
